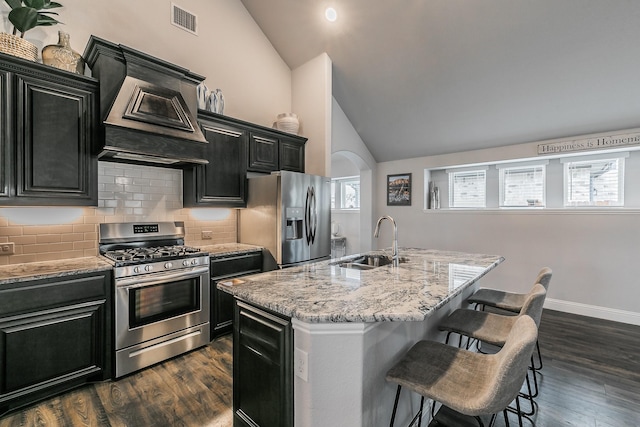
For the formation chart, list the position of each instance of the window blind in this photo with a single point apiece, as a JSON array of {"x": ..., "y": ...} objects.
[
  {"x": 522, "y": 186},
  {"x": 594, "y": 182},
  {"x": 467, "y": 189}
]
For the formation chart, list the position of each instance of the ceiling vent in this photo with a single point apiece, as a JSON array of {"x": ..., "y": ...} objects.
[{"x": 184, "y": 19}]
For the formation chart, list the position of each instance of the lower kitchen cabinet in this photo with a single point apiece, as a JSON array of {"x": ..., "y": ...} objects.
[
  {"x": 55, "y": 334},
  {"x": 225, "y": 268},
  {"x": 262, "y": 368}
]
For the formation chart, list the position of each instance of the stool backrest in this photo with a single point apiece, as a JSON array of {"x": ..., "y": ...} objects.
[
  {"x": 534, "y": 302},
  {"x": 544, "y": 277},
  {"x": 511, "y": 364}
]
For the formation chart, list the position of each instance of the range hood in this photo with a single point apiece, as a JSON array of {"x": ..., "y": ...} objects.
[{"x": 147, "y": 107}]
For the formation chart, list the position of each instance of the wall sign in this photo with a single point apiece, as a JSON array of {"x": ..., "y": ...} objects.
[{"x": 596, "y": 143}]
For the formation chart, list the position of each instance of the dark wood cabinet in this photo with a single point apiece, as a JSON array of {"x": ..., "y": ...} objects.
[
  {"x": 263, "y": 153},
  {"x": 55, "y": 334},
  {"x": 262, "y": 368},
  {"x": 222, "y": 182},
  {"x": 48, "y": 118},
  {"x": 270, "y": 152},
  {"x": 225, "y": 268},
  {"x": 235, "y": 148}
]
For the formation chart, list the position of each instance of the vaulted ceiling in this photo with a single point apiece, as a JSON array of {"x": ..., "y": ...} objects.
[{"x": 428, "y": 77}]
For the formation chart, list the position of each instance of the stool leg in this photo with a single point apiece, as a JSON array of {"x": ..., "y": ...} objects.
[
  {"x": 420, "y": 413},
  {"x": 395, "y": 405},
  {"x": 537, "y": 368}
]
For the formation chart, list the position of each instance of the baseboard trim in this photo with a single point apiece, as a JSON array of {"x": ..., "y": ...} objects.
[{"x": 613, "y": 314}]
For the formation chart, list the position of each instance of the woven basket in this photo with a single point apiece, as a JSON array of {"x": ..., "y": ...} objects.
[{"x": 16, "y": 46}]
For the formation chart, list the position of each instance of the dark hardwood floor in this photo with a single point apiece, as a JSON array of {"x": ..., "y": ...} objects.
[{"x": 591, "y": 378}]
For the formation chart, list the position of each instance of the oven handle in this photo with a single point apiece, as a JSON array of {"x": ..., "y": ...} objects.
[{"x": 138, "y": 281}]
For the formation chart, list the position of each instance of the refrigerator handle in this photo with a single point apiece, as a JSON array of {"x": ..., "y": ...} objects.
[{"x": 310, "y": 215}]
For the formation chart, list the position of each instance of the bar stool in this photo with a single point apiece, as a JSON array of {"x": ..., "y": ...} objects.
[
  {"x": 510, "y": 301},
  {"x": 470, "y": 383},
  {"x": 494, "y": 329}
]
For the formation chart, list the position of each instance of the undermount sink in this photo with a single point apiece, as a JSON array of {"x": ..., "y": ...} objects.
[{"x": 365, "y": 262}]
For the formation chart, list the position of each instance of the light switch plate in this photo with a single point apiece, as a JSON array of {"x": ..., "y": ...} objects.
[{"x": 206, "y": 235}]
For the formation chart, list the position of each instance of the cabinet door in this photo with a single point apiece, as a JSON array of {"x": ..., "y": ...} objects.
[
  {"x": 54, "y": 132},
  {"x": 51, "y": 347},
  {"x": 291, "y": 155},
  {"x": 55, "y": 334},
  {"x": 263, "y": 153},
  {"x": 262, "y": 368},
  {"x": 222, "y": 182},
  {"x": 6, "y": 161},
  {"x": 226, "y": 268}
]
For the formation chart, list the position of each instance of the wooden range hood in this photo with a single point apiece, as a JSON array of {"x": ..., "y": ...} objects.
[{"x": 147, "y": 107}]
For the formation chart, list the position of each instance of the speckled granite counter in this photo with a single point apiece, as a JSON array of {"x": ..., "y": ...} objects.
[
  {"x": 47, "y": 269},
  {"x": 324, "y": 292},
  {"x": 229, "y": 249}
]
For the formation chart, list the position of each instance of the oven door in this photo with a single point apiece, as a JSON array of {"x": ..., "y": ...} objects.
[{"x": 158, "y": 304}]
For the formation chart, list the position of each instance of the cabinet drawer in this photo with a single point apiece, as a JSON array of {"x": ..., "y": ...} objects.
[
  {"x": 47, "y": 293},
  {"x": 235, "y": 265}
]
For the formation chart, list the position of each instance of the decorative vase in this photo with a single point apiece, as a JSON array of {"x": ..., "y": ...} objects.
[
  {"x": 62, "y": 56},
  {"x": 288, "y": 122},
  {"x": 16, "y": 46},
  {"x": 203, "y": 96},
  {"x": 220, "y": 104}
]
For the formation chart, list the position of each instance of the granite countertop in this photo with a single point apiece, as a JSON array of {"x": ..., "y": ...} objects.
[
  {"x": 224, "y": 249},
  {"x": 323, "y": 292},
  {"x": 47, "y": 269}
]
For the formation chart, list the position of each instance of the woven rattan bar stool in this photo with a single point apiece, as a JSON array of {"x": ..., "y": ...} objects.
[
  {"x": 510, "y": 301},
  {"x": 470, "y": 383}
]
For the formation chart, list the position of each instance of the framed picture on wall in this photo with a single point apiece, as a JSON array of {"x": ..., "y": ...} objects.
[{"x": 399, "y": 190}]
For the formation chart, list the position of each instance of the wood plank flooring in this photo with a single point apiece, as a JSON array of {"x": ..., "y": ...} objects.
[{"x": 591, "y": 378}]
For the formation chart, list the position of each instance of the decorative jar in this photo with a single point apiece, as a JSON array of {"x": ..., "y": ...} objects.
[
  {"x": 288, "y": 122},
  {"x": 62, "y": 56}
]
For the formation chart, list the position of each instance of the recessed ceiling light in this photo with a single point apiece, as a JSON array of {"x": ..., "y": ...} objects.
[{"x": 331, "y": 14}]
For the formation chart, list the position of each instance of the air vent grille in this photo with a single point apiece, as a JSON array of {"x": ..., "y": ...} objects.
[{"x": 184, "y": 19}]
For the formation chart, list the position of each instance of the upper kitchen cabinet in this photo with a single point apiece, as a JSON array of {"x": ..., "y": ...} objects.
[
  {"x": 235, "y": 147},
  {"x": 221, "y": 182},
  {"x": 48, "y": 127},
  {"x": 270, "y": 150}
]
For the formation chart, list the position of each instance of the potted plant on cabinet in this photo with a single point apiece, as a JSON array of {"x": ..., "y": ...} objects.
[{"x": 25, "y": 15}]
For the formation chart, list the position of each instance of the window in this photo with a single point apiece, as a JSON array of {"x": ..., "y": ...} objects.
[
  {"x": 594, "y": 182},
  {"x": 467, "y": 189},
  {"x": 522, "y": 185},
  {"x": 345, "y": 193}
]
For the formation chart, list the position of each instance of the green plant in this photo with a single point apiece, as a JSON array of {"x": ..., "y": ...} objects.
[{"x": 28, "y": 14}]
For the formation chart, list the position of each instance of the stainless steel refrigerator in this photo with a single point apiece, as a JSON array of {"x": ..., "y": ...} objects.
[{"x": 289, "y": 214}]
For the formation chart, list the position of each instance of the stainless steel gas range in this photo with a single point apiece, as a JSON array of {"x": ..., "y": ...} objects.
[{"x": 161, "y": 292}]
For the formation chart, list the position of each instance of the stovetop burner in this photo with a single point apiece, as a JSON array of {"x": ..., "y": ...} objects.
[{"x": 154, "y": 253}]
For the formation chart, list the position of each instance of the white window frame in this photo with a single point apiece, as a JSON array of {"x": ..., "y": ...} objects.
[
  {"x": 568, "y": 161},
  {"x": 453, "y": 173},
  {"x": 522, "y": 166},
  {"x": 337, "y": 185}
]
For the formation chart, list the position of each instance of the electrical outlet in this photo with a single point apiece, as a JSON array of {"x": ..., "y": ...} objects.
[
  {"x": 7, "y": 248},
  {"x": 206, "y": 235},
  {"x": 301, "y": 364}
]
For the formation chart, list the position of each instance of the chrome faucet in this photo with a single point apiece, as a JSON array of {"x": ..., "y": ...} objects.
[{"x": 394, "y": 248}]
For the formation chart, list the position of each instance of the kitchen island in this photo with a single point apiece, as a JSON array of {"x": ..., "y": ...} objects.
[{"x": 350, "y": 325}]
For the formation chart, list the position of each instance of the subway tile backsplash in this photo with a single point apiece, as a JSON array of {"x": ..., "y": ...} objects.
[{"x": 126, "y": 193}]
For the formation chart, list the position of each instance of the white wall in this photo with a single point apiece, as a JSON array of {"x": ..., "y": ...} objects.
[
  {"x": 311, "y": 88},
  {"x": 592, "y": 254},
  {"x": 346, "y": 142},
  {"x": 230, "y": 50}
]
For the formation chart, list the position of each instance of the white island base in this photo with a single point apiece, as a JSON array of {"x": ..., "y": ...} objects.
[{"x": 340, "y": 369}]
